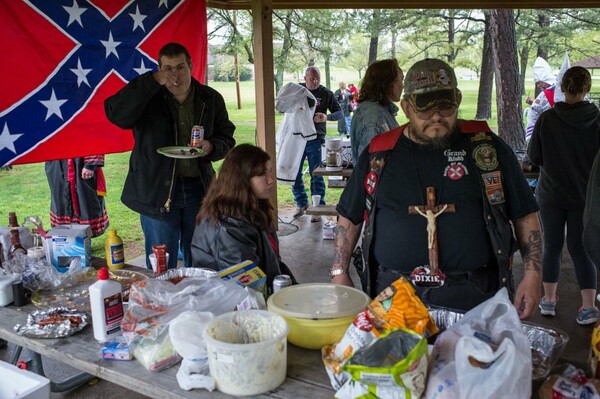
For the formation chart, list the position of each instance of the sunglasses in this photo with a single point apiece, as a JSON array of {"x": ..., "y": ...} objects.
[{"x": 445, "y": 110}]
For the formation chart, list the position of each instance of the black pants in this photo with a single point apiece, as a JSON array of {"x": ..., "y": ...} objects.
[{"x": 461, "y": 291}]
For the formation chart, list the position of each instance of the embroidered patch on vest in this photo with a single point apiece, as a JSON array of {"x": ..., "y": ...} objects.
[
  {"x": 371, "y": 182},
  {"x": 493, "y": 187},
  {"x": 485, "y": 157},
  {"x": 481, "y": 136},
  {"x": 456, "y": 170}
]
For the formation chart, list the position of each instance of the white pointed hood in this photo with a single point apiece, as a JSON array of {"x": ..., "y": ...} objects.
[{"x": 543, "y": 72}]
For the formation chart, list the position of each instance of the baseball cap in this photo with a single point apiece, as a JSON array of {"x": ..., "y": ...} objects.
[{"x": 431, "y": 82}]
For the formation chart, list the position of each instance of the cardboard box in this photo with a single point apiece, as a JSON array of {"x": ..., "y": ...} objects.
[
  {"x": 23, "y": 384},
  {"x": 68, "y": 242},
  {"x": 246, "y": 274}
]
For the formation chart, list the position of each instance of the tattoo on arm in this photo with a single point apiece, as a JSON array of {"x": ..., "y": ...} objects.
[
  {"x": 342, "y": 247},
  {"x": 532, "y": 251}
]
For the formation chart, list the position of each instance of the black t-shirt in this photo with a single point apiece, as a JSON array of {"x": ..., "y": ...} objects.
[
  {"x": 400, "y": 238},
  {"x": 325, "y": 101}
]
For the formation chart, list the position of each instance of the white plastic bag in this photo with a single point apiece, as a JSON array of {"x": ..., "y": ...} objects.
[
  {"x": 484, "y": 355},
  {"x": 185, "y": 332}
]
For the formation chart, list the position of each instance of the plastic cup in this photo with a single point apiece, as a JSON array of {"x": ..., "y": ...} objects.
[
  {"x": 152, "y": 258},
  {"x": 316, "y": 200}
]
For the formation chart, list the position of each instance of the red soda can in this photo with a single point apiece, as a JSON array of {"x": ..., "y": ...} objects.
[{"x": 197, "y": 135}]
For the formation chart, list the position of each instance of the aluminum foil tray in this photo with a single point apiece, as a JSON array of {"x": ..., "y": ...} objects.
[
  {"x": 547, "y": 344},
  {"x": 176, "y": 275}
]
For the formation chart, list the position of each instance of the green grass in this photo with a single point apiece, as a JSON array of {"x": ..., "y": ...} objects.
[{"x": 24, "y": 189}]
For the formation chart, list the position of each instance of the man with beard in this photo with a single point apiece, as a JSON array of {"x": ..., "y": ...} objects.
[{"x": 462, "y": 175}]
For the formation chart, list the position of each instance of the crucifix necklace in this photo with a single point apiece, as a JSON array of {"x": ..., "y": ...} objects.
[{"x": 429, "y": 275}]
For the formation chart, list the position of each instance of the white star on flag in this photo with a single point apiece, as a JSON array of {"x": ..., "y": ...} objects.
[
  {"x": 75, "y": 13},
  {"x": 142, "y": 69},
  {"x": 138, "y": 19},
  {"x": 53, "y": 105},
  {"x": 7, "y": 140},
  {"x": 111, "y": 45},
  {"x": 81, "y": 74}
]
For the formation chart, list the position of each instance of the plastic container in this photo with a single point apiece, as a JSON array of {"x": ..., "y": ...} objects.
[
  {"x": 247, "y": 351},
  {"x": 106, "y": 302},
  {"x": 317, "y": 314},
  {"x": 22, "y": 384},
  {"x": 115, "y": 254}
]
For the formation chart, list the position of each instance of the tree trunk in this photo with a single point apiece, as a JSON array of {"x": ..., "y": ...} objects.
[
  {"x": 523, "y": 69},
  {"x": 281, "y": 61},
  {"x": 451, "y": 35},
  {"x": 374, "y": 42},
  {"x": 327, "y": 72},
  {"x": 542, "y": 50},
  {"x": 486, "y": 80},
  {"x": 508, "y": 96}
]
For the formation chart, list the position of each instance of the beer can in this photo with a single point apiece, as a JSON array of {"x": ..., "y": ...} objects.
[
  {"x": 281, "y": 281},
  {"x": 197, "y": 135}
]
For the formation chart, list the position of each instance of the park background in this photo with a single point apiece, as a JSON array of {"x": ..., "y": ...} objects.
[{"x": 24, "y": 188}]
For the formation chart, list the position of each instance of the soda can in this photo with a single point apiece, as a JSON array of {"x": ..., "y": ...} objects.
[
  {"x": 197, "y": 135},
  {"x": 281, "y": 281}
]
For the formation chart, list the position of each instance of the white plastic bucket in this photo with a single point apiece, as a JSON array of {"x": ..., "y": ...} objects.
[{"x": 247, "y": 351}]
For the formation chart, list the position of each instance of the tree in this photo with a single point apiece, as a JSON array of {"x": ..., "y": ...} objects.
[
  {"x": 508, "y": 95},
  {"x": 486, "y": 80}
]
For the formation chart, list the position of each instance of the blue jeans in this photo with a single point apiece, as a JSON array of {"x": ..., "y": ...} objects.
[
  {"x": 177, "y": 228},
  {"x": 312, "y": 151}
]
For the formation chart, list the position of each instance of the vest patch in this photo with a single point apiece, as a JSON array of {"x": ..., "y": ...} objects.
[
  {"x": 485, "y": 157},
  {"x": 456, "y": 171},
  {"x": 493, "y": 187}
]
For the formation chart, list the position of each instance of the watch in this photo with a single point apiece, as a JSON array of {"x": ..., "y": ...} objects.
[{"x": 337, "y": 272}]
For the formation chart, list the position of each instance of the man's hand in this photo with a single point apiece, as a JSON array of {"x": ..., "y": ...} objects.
[
  {"x": 342, "y": 279},
  {"x": 528, "y": 295},
  {"x": 206, "y": 146},
  {"x": 166, "y": 78},
  {"x": 319, "y": 117},
  {"x": 529, "y": 235}
]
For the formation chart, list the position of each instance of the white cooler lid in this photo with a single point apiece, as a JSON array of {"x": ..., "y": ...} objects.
[{"x": 318, "y": 301}]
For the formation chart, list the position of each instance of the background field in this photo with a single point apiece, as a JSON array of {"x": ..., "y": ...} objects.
[{"x": 24, "y": 189}]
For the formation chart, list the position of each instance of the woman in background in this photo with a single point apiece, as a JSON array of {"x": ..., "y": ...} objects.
[
  {"x": 77, "y": 191},
  {"x": 376, "y": 111},
  {"x": 236, "y": 221},
  {"x": 564, "y": 143}
]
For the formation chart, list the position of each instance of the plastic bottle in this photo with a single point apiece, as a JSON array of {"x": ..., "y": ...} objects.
[
  {"x": 115, "y": 255},
  {"x": 106, "y": 302}
]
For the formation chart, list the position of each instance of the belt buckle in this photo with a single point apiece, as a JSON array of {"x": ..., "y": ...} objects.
[{"x": 422, "y": 276}]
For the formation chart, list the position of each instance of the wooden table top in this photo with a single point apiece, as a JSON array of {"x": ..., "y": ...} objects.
[{"x": 306, "y": 375}]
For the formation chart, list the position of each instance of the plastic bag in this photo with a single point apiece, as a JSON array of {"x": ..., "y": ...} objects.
[
  {"x": 397, "y": 306},
  {"x": 185, "y": 332},
  {"x": 487, "y": 344},
  {"x": 393, "y": 366},
  {"x": 153, "y": 304}
]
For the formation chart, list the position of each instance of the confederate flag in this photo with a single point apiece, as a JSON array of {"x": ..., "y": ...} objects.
[{"x": 62, "y": 58}]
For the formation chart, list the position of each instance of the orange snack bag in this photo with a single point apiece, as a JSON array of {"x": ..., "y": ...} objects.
[{"x": 398, "y": 306}]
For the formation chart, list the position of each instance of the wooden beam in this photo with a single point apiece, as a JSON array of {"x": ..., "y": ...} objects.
[
  {"x": 408, "y": 4},
  {"x": 262, "y": 26}
]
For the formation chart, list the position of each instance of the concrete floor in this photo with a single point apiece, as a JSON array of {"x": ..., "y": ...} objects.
[{"x": 310, "y": 257}]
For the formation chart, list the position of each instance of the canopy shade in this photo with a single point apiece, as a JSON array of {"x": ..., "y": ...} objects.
[{"x": 414, "y": 4}]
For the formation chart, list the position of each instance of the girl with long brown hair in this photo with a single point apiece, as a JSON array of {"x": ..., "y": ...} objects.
[{"x": 236, "y": 219}]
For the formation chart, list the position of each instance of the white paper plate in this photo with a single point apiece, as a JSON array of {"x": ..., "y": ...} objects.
[{"x": 182, "y": 152}]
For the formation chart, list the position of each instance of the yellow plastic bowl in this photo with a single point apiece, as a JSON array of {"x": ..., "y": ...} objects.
[
  {"x": 317, "y": 314},
  {"x": 315, "y": 334}
]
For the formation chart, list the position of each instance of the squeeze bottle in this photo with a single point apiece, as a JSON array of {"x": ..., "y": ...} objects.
[
  {"x": 106, "y": 300},
  {"x": 115, "y": 254}
]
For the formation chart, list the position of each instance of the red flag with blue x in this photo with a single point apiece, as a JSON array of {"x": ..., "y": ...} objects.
[{"x": 62, "y": 58}]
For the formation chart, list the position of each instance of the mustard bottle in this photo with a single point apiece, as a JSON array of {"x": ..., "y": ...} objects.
[{"x": 115, "y": 255}]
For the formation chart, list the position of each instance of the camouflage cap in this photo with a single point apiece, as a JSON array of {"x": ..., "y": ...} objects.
[{"x": 429, "y": 82}]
